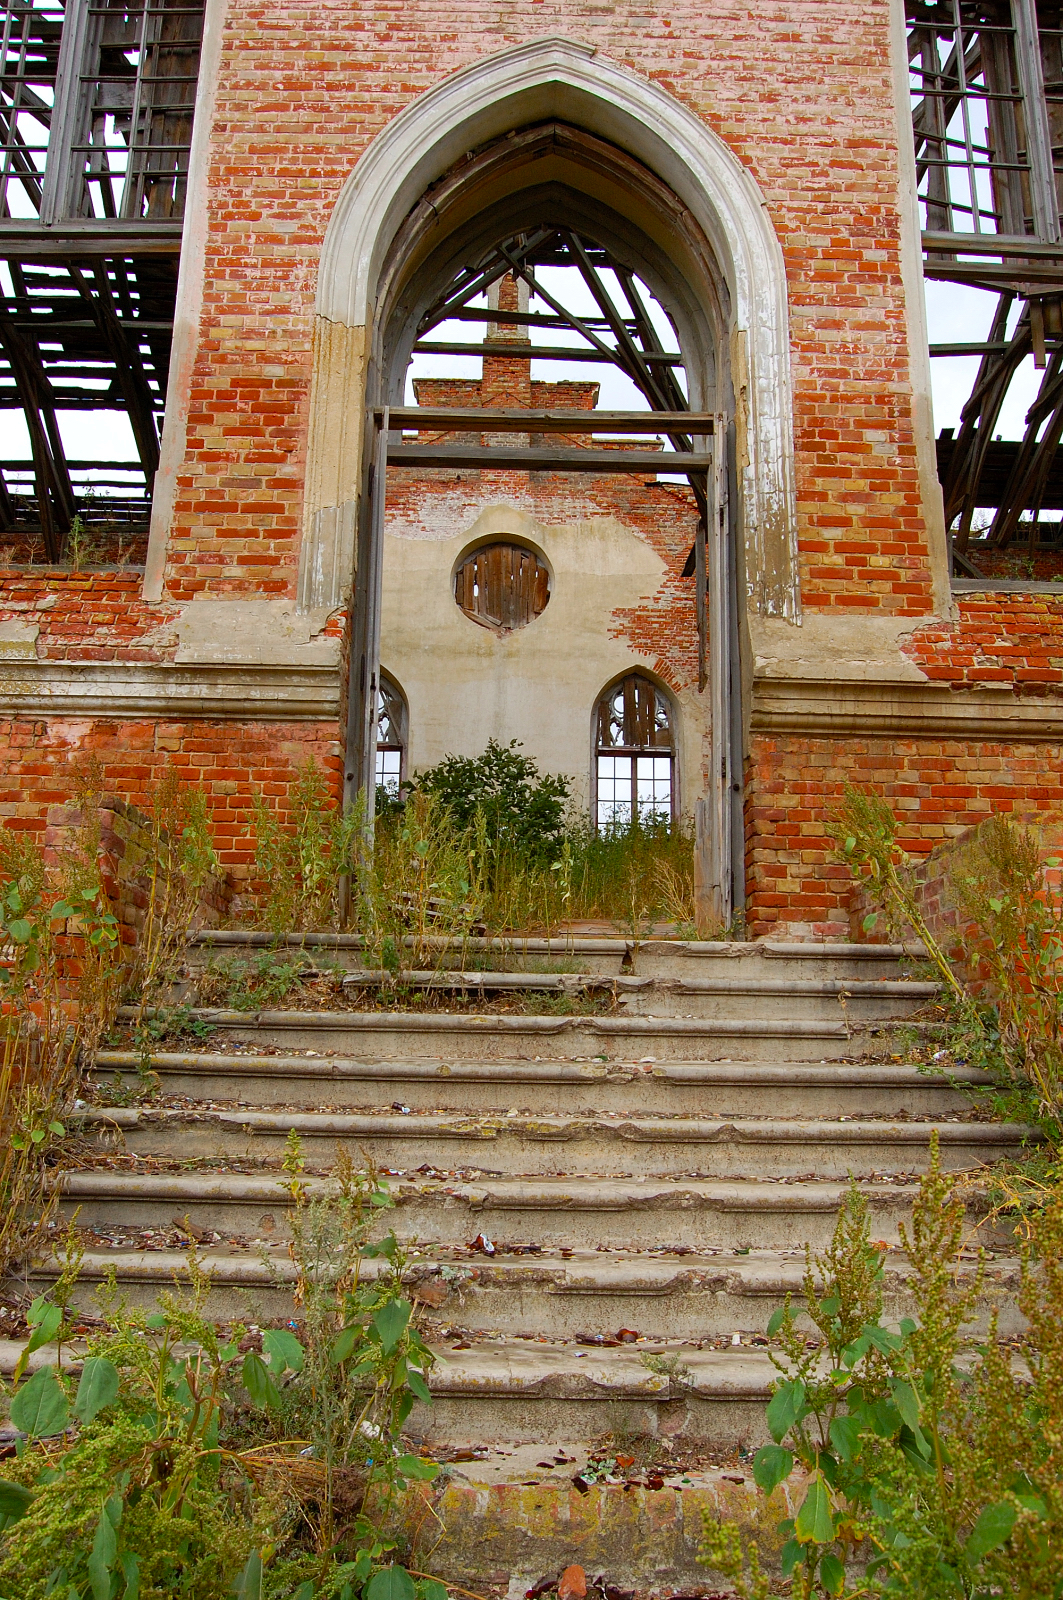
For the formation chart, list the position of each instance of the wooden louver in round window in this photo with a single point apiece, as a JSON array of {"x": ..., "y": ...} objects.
[{"x": 502, "y": 586}]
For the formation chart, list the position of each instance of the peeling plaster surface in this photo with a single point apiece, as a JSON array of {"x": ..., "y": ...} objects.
[
  {"x": 465, "y": 684},
  {"x": 18, "y": 639},
  {"x": 266, "y": 632},
  {"x": 829, "y": 646}
]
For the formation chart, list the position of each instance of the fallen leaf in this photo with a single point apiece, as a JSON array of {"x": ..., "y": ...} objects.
[
  {"x": 625, "y": 1461},
  {"x": 655, "y": 1483},
  {"x": 572, "y": 1584},
  {"x": 627, "y": 1335},
  {"x": 483, "y": 1244}
]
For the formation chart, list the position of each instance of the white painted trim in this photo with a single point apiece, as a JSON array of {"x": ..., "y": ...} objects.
[
  {"x": 175, "y": 692},
  {"x": 556, "y": 78},
  {"x": 188, "y": 305}
]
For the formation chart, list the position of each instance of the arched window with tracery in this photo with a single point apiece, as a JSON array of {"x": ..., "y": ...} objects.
[
  {"x": 392, "y": 732},
  {"x": 634, "y": 754}
]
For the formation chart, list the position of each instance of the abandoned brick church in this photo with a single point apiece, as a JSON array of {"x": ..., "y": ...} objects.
[{"x": 555, "y": 372}]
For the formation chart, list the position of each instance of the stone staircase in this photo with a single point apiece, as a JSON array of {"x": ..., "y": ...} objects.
[{"x": 607, "y": 1204}]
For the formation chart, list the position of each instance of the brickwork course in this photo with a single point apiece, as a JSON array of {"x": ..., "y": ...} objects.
[{"x": 802, "y": 93}]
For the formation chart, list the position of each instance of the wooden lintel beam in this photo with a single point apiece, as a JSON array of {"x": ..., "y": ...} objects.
[
  {"x": 501, "y": 458},
  {"x": 968, "y": 349},
  {"x": 470, "y": 419},
  {"x": 992, "y": 244},
  {"x": 1033, "y": 279},
  {"x": 516, "y": 351},
  {"x": 67, "y": 242}
]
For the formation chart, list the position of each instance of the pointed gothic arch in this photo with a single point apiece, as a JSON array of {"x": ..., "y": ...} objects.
[
  {"x": 435, "y": 136},
  {"x": 552, "y": 135}
]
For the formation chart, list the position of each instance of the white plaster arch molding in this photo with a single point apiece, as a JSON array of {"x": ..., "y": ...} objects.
[{"x": 557, "y": 78}]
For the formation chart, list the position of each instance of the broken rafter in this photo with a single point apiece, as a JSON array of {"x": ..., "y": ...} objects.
[{"x": 129, "y": 368}]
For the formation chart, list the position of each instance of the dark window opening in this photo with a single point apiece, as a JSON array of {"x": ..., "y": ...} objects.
[
  {"x": 635, "y": 756},
  {"x": 502, "y": 587}
]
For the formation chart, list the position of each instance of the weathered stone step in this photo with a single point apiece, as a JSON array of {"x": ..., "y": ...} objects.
[
  {"x": 557, "y": 1393},
  {"x": 603, "y": 1144},
  {"x": 858, "y": 999},
  {"x": 651, "y": 957},
  {"x": 732, "y": 1088},
  {"x": 576, "y": 1212},
  {"x": 378, "y": 1035},
  {"x": 689, "y": 1296},
  {"x": 512, "y": 1391}
]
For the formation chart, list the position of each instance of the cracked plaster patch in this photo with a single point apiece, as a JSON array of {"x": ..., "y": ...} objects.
[{"x": 262, "y": 632}]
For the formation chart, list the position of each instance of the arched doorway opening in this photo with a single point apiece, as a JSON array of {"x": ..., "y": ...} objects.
[
  {"x": 553, "y": 246},
  {"x": 628, "y": 169}
]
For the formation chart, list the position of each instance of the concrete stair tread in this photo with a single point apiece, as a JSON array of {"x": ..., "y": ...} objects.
[
  {"x": 469, "y": 978},
  {"x": 472, "y": 1024},
  {"x": 580, "y": 1192},
  {"x": 561, "y": 1271},
  {"x": 563, "y": 982},
  {"x": 572, "y": 945},
  {"x": 332, "y": 1065},
  {"x": 560, "y": 1126},
  {"x": 561, "y": 1371}
]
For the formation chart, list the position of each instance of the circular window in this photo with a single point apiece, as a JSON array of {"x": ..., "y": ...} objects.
[{"x": 502, "y": 586}]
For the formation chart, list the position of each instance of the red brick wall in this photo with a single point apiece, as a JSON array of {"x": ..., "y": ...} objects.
[
  {"x": 1012, "y": 639},
  {"x": 802, "y": 92},
  {"x": 230, "y": 761},
  {"x": 938, "y": 789}
]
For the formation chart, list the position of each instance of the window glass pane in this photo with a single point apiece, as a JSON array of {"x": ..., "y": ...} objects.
[
  {"x": 614, "y": 791},
  {"x": 653, "y": 786},
  {"x": 388, "y": 770}
]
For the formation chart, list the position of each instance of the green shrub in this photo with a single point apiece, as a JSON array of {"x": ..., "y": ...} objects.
[
  {"x": 522, "y": 811},
  {"x": 929, "y": 1471},
  {"x": 182, "y": 1462}
]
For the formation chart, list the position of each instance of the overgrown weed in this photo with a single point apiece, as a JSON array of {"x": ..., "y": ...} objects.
[
  {"x": 929, "y": 1470},
  {"x": 185, "y": 1460},
  {"x": 1003, "y": 990}
]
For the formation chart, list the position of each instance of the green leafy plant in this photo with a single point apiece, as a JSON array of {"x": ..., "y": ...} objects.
[
  {"x": 120, "y": 1486},
  {"x": 520, "y": 808},
  {"x": 181, "y": 862},
  {"x": 44, "y": 1031},
  {"x": 865, "y": 832},
  {"x": 303, "y": 857},
  {"x": 184, "y": 1461},
  {"x": 1012, "y": 923},
  {"x": 926, "y": 1469}
]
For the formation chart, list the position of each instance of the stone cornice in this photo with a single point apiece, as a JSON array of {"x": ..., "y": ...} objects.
[
  {"x": 822, "y": 707},
  {"x": 182, "y": 691},
  {"x": 828, "y": 708}
]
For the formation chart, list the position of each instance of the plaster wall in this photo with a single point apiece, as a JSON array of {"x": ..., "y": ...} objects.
[{"x": 540, "y": 684}]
